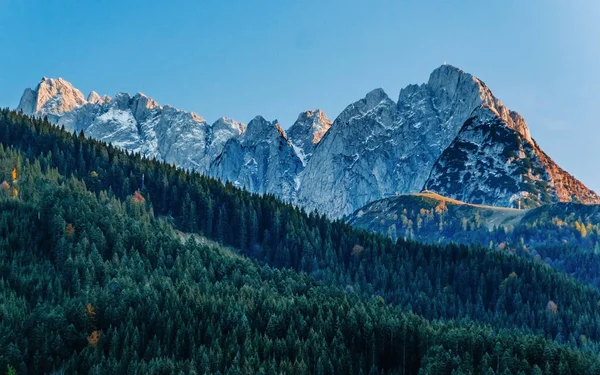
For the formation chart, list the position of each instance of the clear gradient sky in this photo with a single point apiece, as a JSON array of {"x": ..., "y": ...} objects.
[{"x": 278, "y": 58}]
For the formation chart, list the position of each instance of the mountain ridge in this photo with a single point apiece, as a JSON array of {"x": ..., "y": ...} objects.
[{"x": 376, "y": 147}]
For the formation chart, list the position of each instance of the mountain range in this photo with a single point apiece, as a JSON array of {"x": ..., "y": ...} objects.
[{"x": 450, "y": 135}]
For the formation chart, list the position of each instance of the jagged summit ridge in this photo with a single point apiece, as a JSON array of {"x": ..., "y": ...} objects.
[
  {"x": 492, "y": 162},
  {"x": 377, "y": 148},
  {"x": 261, "y": 160},
  {"x": 307, "y": 132},
  {"x": 138, "y": 123},
  {"x": 449, "y": 134},
  {"x": 51, "y": 97},
  {"x": 451, "y": 83},
  {"x": 95, "y": 98},
  {"x": 134, "y": 122}
]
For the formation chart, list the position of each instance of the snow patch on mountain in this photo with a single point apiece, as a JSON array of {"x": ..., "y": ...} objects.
[
  {"x": 307, "y": 132},
  {"x": 449, "y": 134},
  {"x": 51, "y": 98}
]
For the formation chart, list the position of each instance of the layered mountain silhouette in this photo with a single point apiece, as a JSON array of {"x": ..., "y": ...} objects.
[{"x": 450, "y": 135}]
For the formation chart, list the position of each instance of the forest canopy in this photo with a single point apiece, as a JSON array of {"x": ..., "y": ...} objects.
[{"x": 103, "y": 271}]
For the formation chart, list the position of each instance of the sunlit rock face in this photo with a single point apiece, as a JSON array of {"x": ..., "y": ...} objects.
[
  {"x": 136, "y": 123},
  {"x": 261, "y": 160},
  {"x": 51, "y": 98},
  {"x": 307, "y": 132},
  {"x": 491, "y": 161},
  {"x": 450, "y": 135},
  {"x": 377, "y": 148}
]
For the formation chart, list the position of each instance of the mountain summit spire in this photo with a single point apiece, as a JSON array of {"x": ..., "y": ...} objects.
[{"x": 51, "y": 97}]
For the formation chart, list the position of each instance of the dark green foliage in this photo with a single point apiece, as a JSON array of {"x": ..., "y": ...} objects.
[
  {"x": 91, "y": 281},
  {"x": 74, "y": 265},
  {"x": 565, "y": 236}
]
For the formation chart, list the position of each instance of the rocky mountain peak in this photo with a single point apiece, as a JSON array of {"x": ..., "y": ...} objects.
[
  {"x": 307, "y": 132},
  {"x": 51, "y": 97},
  {"x": 376, "y": 149},
  {"x": 447, "y": 76},
  {"x": 261, "y": 160},
  {"x": 145, "y": 100},
  {"x": 259, "y": 122},
  {"x": 449, "y": 84},
  {"x": 450, "y": 78},
  {"x": 450, "y": 134},
  {"x": 121, "y": 100},
  {"x": 225, "y": 123},
  {"x": 141, "y": 105},
  {"x": 376, "y": 106},
  {"x": 313, "y": 122},
  {"x": 375, "y": 97},
  {"x": 492, "y": 161},
  {"x": 259, "y": 128},
  {"x": 94, "y": 98},
  {"x": 222, "y": 131}
]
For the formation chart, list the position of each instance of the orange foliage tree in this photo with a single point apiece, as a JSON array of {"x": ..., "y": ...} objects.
[
  {"x": 138, "y": 198},
  {"x": 5, "y": 188},
  {"x": 69, "y": 230},
  {"x": 94, "y": 337},
  {"x": 95, "y": 334},
  {"x": 90, "y": 312}
]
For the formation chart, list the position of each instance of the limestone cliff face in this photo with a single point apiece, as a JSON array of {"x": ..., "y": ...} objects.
[
  {"x": 450, "y": 135},
  {"x": 306, "y": 133},
  {"x": 352, "y": 163},
  {"x": 262, "y": 160},
  {"x": 493, "y": 162},
  {"x": 136, "y": 123},
  {"x": 51, "y": 98},
  {"x": 378, "y": 148}
]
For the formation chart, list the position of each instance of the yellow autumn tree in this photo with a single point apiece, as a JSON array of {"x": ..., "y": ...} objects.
[
  {"x": 14, "y": 174},
  {"x": 90, "y": 311},
  {"x": 441, "y": 208},
  {"x": 581, "y": 229}
]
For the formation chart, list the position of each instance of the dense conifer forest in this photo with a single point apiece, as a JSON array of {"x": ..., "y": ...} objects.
[{"x": 97, "y": 277}]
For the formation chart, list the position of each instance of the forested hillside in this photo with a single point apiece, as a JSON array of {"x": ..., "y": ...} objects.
[
  {"x": 94, "y": 280},
  {"x": 565, "y": 236}
]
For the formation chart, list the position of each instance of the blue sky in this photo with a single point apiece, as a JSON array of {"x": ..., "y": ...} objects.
[{"x": 278, "y": 58}]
